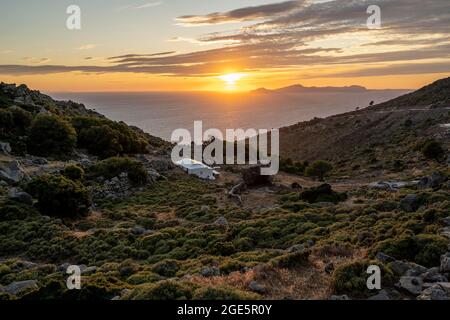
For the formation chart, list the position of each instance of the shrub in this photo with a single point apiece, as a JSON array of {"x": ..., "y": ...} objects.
[
  {"x": 323, "y": 193},
  {"x": 433, "y": 150},
  {"x": 319, "y": 169},
  {"x": 163, "y": 290},
  {"x": 14, "y": 122},
  {"x": 113, "y": 167},
  {"x": 74, "y": 172},
  {"x": 106, "y": 138},
  {"x": 422, "y": 249},
  {"x": 351, "y": 279},
  {"x": 223, "y": 293},
  {"x": 59, "y": 196},
  {"x": 101, "y": 140},
  {"x": 51, "y": 136},
  {"x": 166, "y": 268},
  {"x": 12, "y": 210},
  {"x": 292, "y": 260}
]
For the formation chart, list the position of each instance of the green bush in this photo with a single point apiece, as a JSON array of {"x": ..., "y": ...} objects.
[
  {"x": 113, "y": 167},
  {"x": 59, "y": 196},
  {"x": 223, "y": 293},
  {"x": 51, "y": 136},
  {"x": 422, "y": 249},
  {"x": 166, "y": 268},
  {"x": 323, "y": 193},
  {"x": 319, "y": 169},
  {"x": 14, "y": 122},
  {"x": 106, "y": 138},
  {"x": 163, "y": 290},
  {"x": 74, "y": 172},
  {"x": 433, "y": 150},
  {"x": 351, "y": 278},
  {"x": 292, "y": 260}
]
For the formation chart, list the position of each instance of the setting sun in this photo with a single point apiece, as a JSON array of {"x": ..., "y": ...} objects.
[{"x": 231, "y": 79}]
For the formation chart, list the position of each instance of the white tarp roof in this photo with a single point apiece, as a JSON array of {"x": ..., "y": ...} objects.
[{"x": 192, "y": 164}]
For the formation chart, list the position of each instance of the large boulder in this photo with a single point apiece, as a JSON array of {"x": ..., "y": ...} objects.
[
  {"x": 20, "y": 196},
  {"x": 437, "y": 291},
  {"x": 432, "y": 181},
  {"x": 445, "y": 263},
  {"x": 252, "y": 177},
  {"x": 5, "y": 148},
  {"x": 19, "y": 287},
  {"x": 322, "y": 194},
  {"x": 413, "y": 285},
  {"x": 12, "y": 172},
  {"x": 410, "y": 203},
  {"x": 161, "y": 165}
]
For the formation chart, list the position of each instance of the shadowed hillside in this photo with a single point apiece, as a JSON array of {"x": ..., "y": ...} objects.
[{"x": 379, "y": 134}]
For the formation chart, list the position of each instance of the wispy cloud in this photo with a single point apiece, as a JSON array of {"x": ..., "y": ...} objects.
[
  {"x": 87, "y": 46},
  {"x": 239, "y": 15},
  {"x": 34, "y": 60},
  {"x": 140, "y": 6},
  {"x": 300, "y": 36}
]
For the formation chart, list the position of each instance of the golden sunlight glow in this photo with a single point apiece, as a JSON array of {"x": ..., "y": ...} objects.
[{"x": 231, "y": 79}]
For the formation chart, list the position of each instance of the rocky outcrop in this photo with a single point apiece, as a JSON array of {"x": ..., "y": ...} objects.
[
  {"x": 12, "y": 172},
  {"x": 16, "y": 288}
]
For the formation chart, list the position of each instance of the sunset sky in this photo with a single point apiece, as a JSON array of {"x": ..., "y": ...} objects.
[{"x": 172, "y": 45}]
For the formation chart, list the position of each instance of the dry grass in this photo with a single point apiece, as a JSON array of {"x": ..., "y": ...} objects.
[{"x": 303, "y": 283}]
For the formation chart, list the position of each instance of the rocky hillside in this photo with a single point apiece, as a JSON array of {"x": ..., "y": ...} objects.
[
  {"x": 79, "y": 189},
  {"x": 378, "y": 136}
]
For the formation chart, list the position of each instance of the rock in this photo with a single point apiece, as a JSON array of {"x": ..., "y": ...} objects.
[
  {"x": 85, "y": 162},
  {"x": 139, "y": 230},
  {"x": 410, "y": 203},
  {"x": 18, "y": 287},
  {"x": 252, "y": 177},
  {"x": 446, "y": 221},
  {"x": 321, "y": 194},
  {"x": 40, "y": 161},
  {"x": 257, "y": 288},
  {"x": 20, "y": 196},
  {"x": 329, "y": 268},
  {"x": 153, "y": 175},
  {"x": 324, "y": 204},
  {"x": 89, "y": 270},
  {"x": 436, "y": 292},
  {"x": 12, "y": 172},
  {"x": 433, "y": 181},
  {"x": 445, "y": 263},
  {"x": 63, "y": 267},
  {"x": 222, "y": 221},
  {"x": 416, "y": 270},
  {"x": 161, "y": 165},
  {"x": 5, "y": 148},
  {"x": 382, "y": 295},
  {"x": 341, "y": 298},
  {"x": 384, "y": 257},
  {"x": 210, "y": 272},
  {"x": 433, "y": 275},
  {"x": 310, "y": 243},
  {"x": 400, "y": 267},
  {"x": 412, "y": 285},
  {"x": 296, "y": 248},
  {"x": 296, "y": 185}
]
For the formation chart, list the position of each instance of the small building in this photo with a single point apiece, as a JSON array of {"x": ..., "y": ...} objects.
[{"x": 198, "y": 169}]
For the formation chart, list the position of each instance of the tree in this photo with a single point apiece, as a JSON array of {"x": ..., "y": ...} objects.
[
  {"x": 319, "y": 169},
  {"x": 51, "y": 136}
]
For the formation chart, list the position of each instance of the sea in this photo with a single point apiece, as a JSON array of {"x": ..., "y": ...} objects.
[{"x": 160, "y": 113}]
